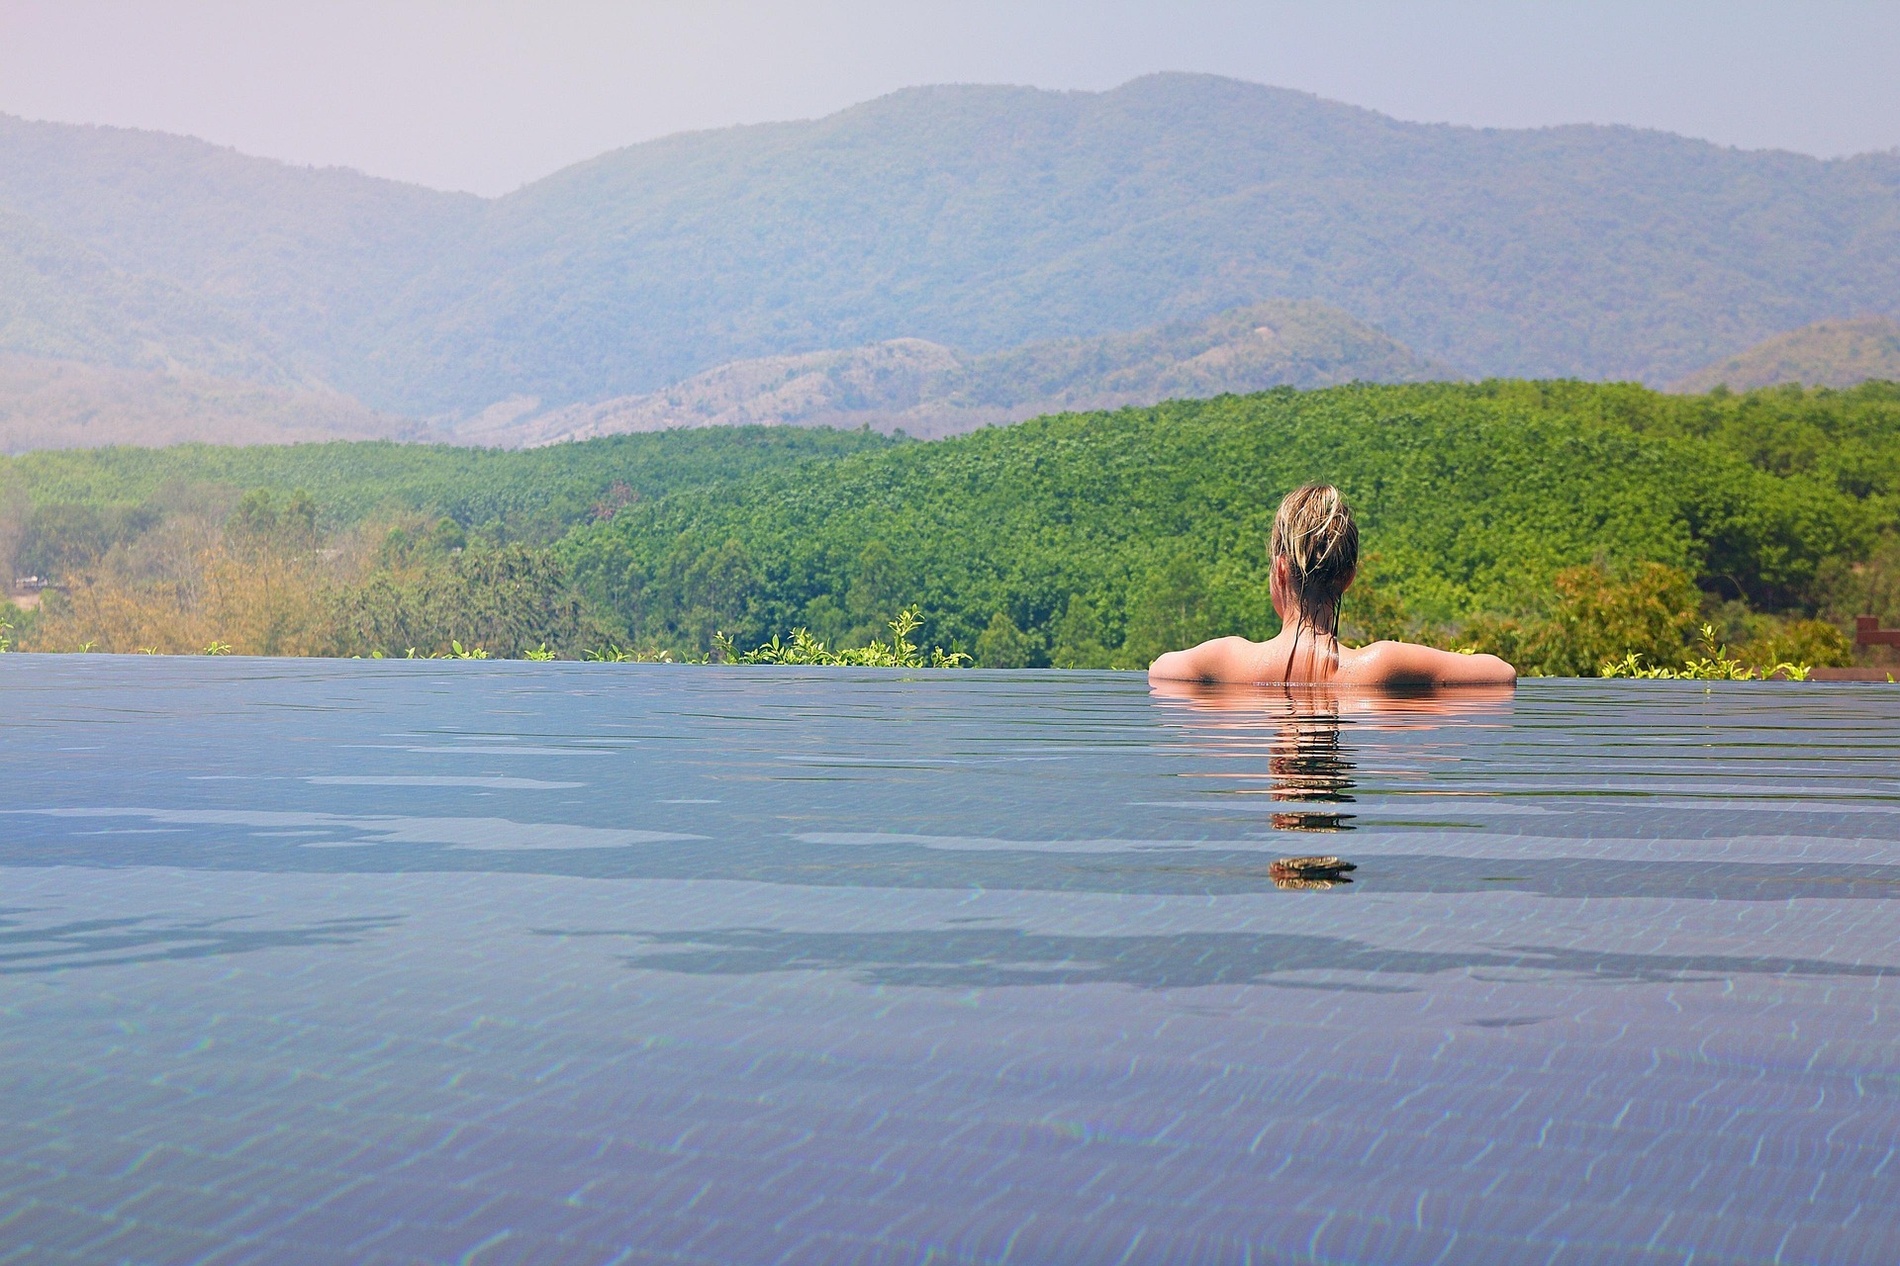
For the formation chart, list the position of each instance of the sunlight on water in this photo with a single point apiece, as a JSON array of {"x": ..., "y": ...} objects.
[{"x": 319, "y": 961}]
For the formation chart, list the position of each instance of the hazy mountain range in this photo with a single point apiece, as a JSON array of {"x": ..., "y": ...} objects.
[
  {"x": 978, "y": 219},
  {"x": 1825, "y": 354},
  {"x": 929, "y": 390},
  {"x": 923, "y": 388},
  {"x": 47, "y": 403}
]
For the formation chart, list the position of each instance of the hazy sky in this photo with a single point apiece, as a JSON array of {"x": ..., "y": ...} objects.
[{"x": 487, "y": 95}]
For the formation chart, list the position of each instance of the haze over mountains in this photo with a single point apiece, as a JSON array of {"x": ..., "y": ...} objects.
[
  {"x": 1825, "y": 354},
  {"x": 928, "y": 390},
  {"x": 978, "y": 219}
]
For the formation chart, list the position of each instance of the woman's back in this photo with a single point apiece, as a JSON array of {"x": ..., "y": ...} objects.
[
  {"x": 1314, "y": 554},
  {"x": 1238, "y": 661}
]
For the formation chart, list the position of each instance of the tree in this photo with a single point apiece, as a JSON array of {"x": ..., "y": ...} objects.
[
  {"x": 1170, "y": 611},
  {"x": 1078, "y": 639},
  {"x": 1003, "y": 645}
]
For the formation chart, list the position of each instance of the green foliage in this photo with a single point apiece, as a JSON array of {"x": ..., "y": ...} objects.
[
  {"x": 99, "y": 497},
  {"x": 258, "y": 523},
  {"x": 899, "y": 652},
  {"x": 1561, "y": 524},
  {"x": 1762, "y": 640},
  {"x": 1104, "y": 538},
  {"x": 507, "y": 600},
  {"x": 1372, "y": 612},
  {"x": 1002, "y": 645},
  {"x": 612, "y": 654},
  {"x": 1847, "y": 586},
  {"x": 1815, "y": 643},
  {"x": 58, "y": 539},
  {"x": 1632, "y": 665},
  {"x": 1714, "y": 663},
  {"x": 1594, "y": 617},
  {"x": 1080, "y": 637}
]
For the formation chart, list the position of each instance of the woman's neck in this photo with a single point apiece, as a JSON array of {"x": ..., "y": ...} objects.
[
  {"x": 1321, "y": 623},
  {"x": 1312, "y": 646}
]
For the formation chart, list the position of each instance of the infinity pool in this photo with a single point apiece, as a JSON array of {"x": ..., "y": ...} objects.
[{"x": 307, "y": 961}]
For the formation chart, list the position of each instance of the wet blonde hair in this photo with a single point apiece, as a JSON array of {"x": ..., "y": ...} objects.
[{"x": 1314, "y": 531}]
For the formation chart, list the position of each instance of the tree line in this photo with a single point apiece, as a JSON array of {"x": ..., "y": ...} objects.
[{"x": 1562, "y": 524}]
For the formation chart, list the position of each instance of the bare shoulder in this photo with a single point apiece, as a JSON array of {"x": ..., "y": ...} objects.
[
  {"x": 1406, "y": 663},
  {"x": 1223, "y": 659}
]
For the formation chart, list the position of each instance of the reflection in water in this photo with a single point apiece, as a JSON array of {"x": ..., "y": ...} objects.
[
  {"x": 25, "y": 948},
  {"x": 1307, "y": 761},
  {"x": 1310, "y": 872},
  {"x": 1309, "y": 766},
  {"x": 972, "y": 958}
]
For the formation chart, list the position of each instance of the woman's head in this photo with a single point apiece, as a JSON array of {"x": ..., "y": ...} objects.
[{"x": 1315, "y": 549}]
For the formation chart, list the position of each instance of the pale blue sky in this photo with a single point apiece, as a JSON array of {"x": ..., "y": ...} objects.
[{"x": 485, "y": 95}]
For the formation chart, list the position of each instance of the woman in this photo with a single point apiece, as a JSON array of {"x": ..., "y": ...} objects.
[{"x": 1315, "y": 551}]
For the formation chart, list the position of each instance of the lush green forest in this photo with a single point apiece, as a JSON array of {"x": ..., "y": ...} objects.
[
  {"x": 1565, "y": 523},
  {"x": 1104, "y": 538},
  {"x": 64, "y": 504}
]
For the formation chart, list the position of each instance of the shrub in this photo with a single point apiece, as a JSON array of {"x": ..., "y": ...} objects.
[
  {"x": 900, "y": 652},
  {"x": 507, "y": 599},
  {"x": 1596, "y": 616},
  {"x": 1815, "y": 643}
]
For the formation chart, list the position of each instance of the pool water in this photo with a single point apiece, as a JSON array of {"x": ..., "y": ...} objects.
[{"x": 307, "y": 961}]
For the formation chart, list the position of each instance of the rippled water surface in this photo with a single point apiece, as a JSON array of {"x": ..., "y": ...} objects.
[{"x": 398, "y": 962}]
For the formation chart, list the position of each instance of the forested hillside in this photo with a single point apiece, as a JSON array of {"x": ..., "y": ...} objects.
[
  {"x": 1106, "y": 537},
  {"x": 980, "y": 218},
  {"x": 60, "y": 300},
  {"x": 536, "y": 495},
  {"x": 305, "y": 258},
  {"x": 1564, "y": 523}
]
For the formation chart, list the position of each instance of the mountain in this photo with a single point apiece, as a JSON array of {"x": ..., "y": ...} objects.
[
  {"x": 64, "y": 300},
  {"x": 91, "y": 354},
  {"x": 1825, "y": 354},
  {"x": 52, "y": 403},
  {"x": 878, "y": 385},
  {"x": 928, "y": 390},
  {"x": 985, "y": 218},
  {"x": 1281, "y": 343},
  {"x": 306, "y": 258}
]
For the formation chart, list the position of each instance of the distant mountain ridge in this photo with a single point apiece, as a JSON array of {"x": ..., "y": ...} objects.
[
  {"x": 925, "y": 389},
  {"x": 64, "y": 301},
  {"x": 53, "y": 403},
  {"x": 1824, "y": 354},
  {"x": 308, "y": 258},
  {"x": 979, "y": 218},
  {"x": 928, "y": 390}
]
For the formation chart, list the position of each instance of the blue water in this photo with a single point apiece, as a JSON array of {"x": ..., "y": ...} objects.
[{"x": 309, "y": 961}]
